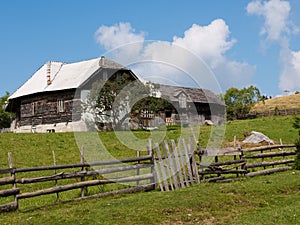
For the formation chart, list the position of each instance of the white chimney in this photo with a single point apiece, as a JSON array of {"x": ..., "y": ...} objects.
[{"x": 49, "y": 72}]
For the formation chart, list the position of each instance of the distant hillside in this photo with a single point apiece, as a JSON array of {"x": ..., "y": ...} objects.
[{"x": 285, "y": 103}]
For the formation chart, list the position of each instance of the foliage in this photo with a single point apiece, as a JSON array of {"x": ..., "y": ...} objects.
[
  {"x": 5, "y": 117},
  {"x": 296, "y": 125},
  {"x": 152, "y": 104},
  {"x": 297, "y": 157},
  {"x": 239, "y": 102},
  {"x": 109, "y": 101}
]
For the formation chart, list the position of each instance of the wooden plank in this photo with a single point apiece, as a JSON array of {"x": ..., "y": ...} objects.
[
  {"x": 218, "y": 172},
  {"x": 9, "y": 192},
  {"x": 262, "y": 148},
  {"x": 79, "y": 165},
  {"x": 230, "y": 162},
  {"x": 187, "y": 161},
  {"x": 263, "y": 164},
  {"x": 168, "y": 168},
  {"x": 268, "y": 171},
  {"x": 271, "y": 154},
  {"x": 9, "y": 207},
  {"x": 147, "y": 187},
  {"x": 181, "y": 155},
  {"x": 172, "y": 165},
  {"x": 83, "y": 184},
  {"x": 193, "y": 161},
  {"x": 162, "y": 168},
  {"x": 6, "y": 171},
  {"x": 151, "y": 158},
  {"x": 65, "y": 175},
  {"x": 158, "y": 179},
  {"x": 7, "y": 180},
  {"x": 82, "y": 169},
  {"x": 177, "y": 163},
  {"x": 211, "y": 151}
]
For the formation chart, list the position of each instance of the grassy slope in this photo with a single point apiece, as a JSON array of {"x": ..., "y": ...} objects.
[
  {"x": 273, "y": 199},
  {"x": 36, "y": 149},
  {"x": 282, "y": 103}
]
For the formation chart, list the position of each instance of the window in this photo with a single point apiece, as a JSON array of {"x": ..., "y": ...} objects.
[
  {"x": 60, "y": 106},
  {"x": 105, "y": 75},
  {"x": 33, "y": 108},
  {"x": 182, "y": 100}
]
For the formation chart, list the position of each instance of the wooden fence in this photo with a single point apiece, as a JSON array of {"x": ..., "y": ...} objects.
[
  {"x": 175, "y": 165},
  {"x": 275, "y": 112},
  {"x": 167, "y": 166},
  {"x": 137, "y": 171},
  {"x": 223, "y": 165}
]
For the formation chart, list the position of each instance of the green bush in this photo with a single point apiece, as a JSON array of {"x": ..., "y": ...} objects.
[{"x": 297, "y": 158}]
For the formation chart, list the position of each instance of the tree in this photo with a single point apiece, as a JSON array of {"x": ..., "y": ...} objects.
[
  {"x": 296, "y": 125},
  {"x": 110, "y": 101},
  {"x": 239, "y": 102},
  {"x": 5, "y": 117}
]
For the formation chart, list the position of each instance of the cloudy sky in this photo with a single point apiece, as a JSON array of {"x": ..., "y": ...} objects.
[{"x": 214, "y": 43}]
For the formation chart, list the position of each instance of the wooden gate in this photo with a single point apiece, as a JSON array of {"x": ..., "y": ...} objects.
[{"x": 175, "y": 165}]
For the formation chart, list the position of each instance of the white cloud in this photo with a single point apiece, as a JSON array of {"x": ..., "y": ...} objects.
[
  {"x": 290, "y": 75},
  {"x": 278, "y": 28},
  {"x": 119, "y": 34},
  {"x": 276, "y": 18},
  {"x": 209, "y": 43}
]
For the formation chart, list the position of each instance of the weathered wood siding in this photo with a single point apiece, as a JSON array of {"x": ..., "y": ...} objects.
[{"x": 43, "y": 108}]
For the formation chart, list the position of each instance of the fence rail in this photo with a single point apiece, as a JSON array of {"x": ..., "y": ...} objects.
[
  {"x": 137, "y": 170},
  {"x": 168, "y": 166},
  {"x": 246, "y": 162}
]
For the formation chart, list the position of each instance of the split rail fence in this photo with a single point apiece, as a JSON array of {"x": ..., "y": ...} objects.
[
  {"x": 167, "y": 166},
  {"x": 137, "y": 172},
  {"x": 228, "y": 164}
]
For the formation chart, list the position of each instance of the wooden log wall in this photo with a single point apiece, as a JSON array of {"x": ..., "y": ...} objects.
[{"x": 43, "y": 108}]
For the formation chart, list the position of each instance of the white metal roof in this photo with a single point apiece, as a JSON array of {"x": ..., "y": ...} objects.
[{"x": 63, "y": 76}]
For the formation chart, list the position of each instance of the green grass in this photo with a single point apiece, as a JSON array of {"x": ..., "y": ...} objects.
[
  {"x": 270, "y": 199},
  {"x": 273, "y": 199}
]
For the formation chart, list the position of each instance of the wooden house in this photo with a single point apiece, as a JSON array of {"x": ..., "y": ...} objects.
[{"x": 50, "y": 100}]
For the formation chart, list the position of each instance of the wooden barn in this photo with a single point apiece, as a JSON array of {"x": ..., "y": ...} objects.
[
  {"x": 196, "y": 105},
  {"x": 50, "y": 100},
  {"x": 191, "y": 106}
]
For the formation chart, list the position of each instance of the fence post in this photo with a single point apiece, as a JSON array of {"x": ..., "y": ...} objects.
[
  {"x": 138, "y": 170},
  {"x": 54, "y": 163},
  {"x": 151, "y": 153},
  {"x": 82, "y": 168},
  {"x": 13, "y": 175}
]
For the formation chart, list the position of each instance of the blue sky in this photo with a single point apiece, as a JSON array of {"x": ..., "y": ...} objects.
[{"x": 243, "y": 42}]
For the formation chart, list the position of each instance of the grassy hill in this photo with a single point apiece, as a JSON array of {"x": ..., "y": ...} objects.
[
  {"x": 36, "y": 149},
  {"x": 270, "y": 199},
  {"x": 281, "y": 103}
]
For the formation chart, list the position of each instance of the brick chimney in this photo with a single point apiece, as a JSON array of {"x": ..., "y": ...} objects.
[
  {"x": 101, "y": 62},
  {"x": 49, "y": 73}
]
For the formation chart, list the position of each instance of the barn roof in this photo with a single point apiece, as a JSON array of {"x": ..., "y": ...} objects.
[
  {"x": 66, "y": 76},
  {"x": 193, "y": 94},
  {"x": 63, "y": 76}
]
